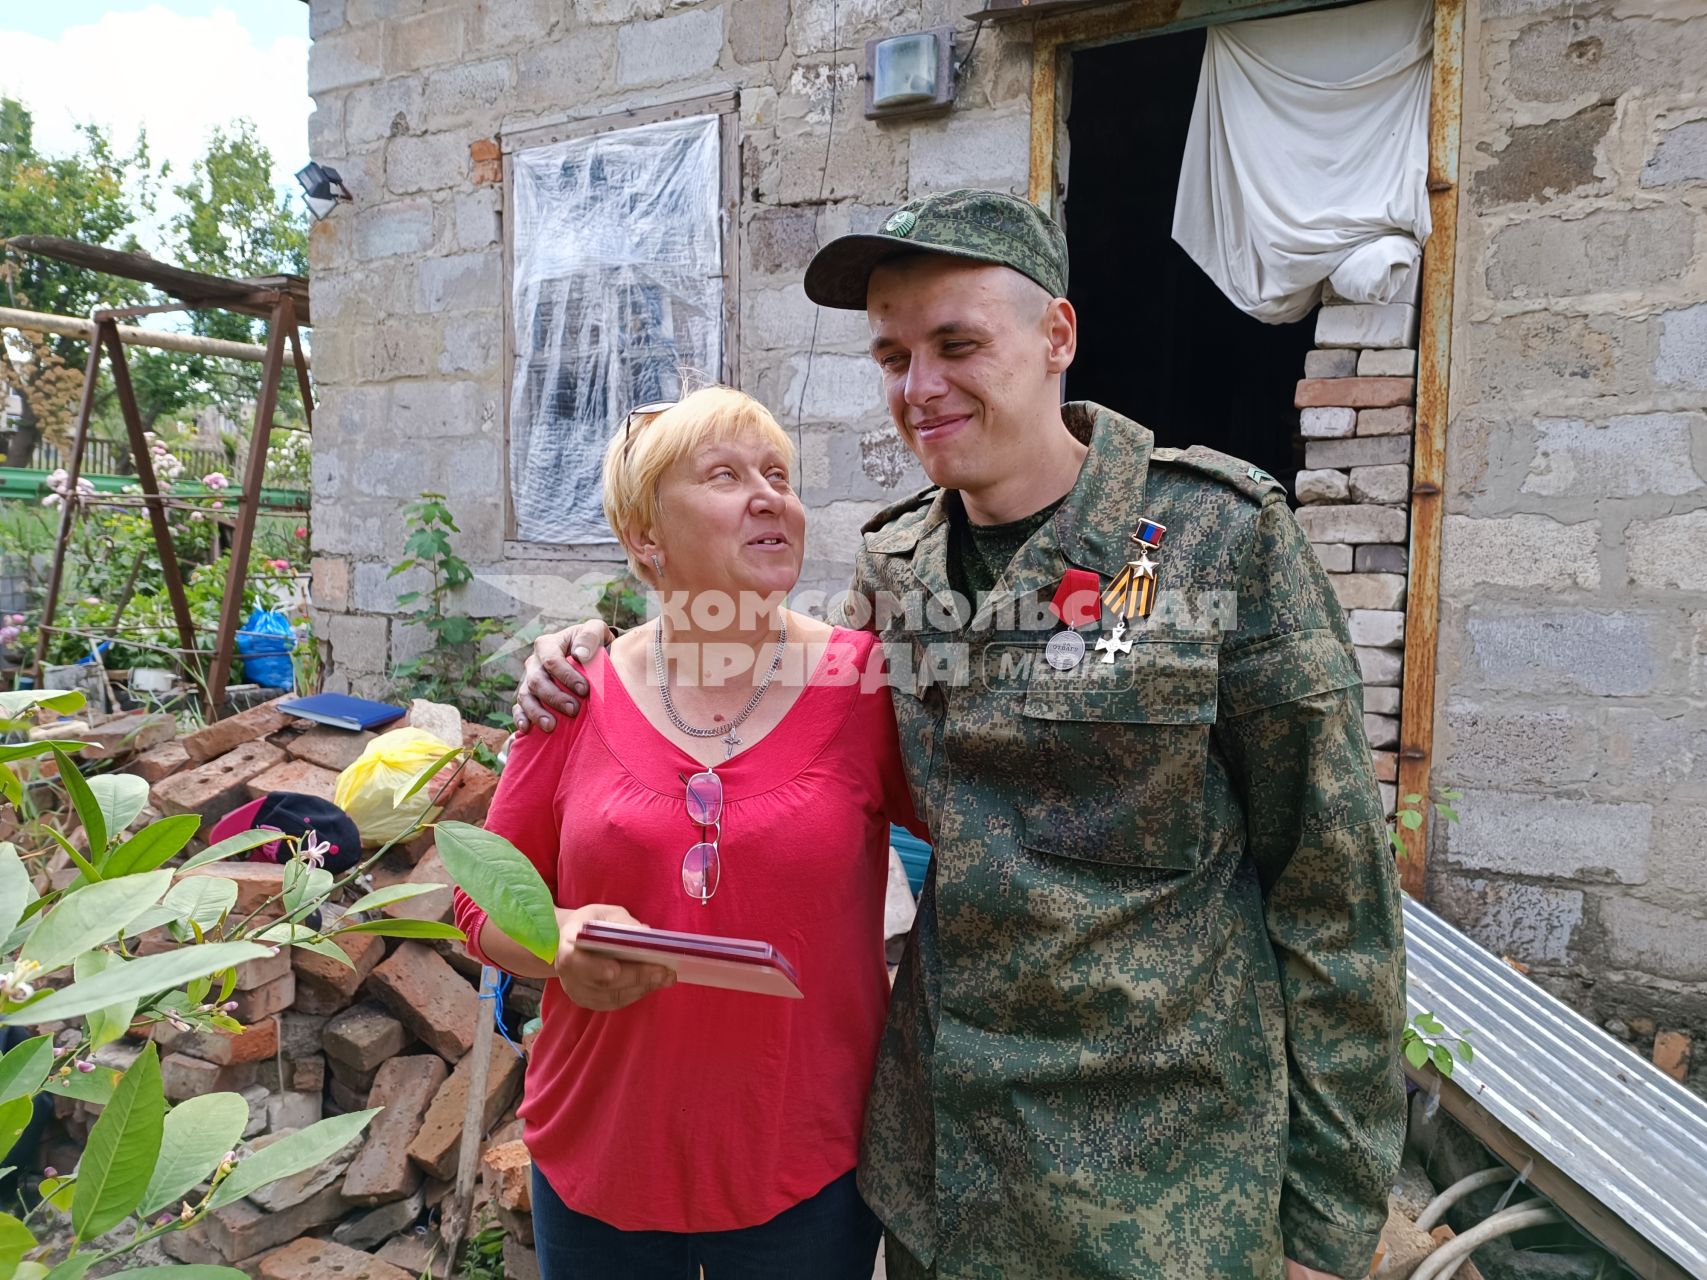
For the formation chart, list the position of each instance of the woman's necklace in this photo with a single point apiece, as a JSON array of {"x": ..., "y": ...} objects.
[{"x": 727, "y": 733}]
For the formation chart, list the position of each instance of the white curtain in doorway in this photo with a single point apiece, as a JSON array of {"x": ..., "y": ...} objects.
[{"x": 1307, "y": 158}]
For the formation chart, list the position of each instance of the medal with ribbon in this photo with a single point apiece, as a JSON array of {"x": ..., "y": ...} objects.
[
  {"x": 1132, "y": 594},
  {"x": 1076, "y": 602}
]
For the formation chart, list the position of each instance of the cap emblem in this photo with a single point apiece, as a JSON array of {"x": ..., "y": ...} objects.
[{"x": 901, "y": 223}]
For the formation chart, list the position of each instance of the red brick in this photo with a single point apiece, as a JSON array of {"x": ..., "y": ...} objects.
[
  {"x": 162, "y": 762},
  {"x": 364, "y": 949},
  {"x": 127, "y": 735},
  {"x": 1354, "y": 393},
  {"x": 472, "y": 799},
  {"x": 429, "y": 997},
  {"x": 1386, "y": 766},
  {"x": 483, "y": 149},
  {"x": 436, "y": 905},
  {"x": 439, "y": 1141},
  {"x": 214, "y": 789},
  {"x": 295, "y": 775},
  {"x": 345, "y": 1096},
  {"x": 186, "y": 1077},
  {"x": 272, "y": 997},
  {"x": 260, "y": 1040},
  {"x": 311, "y": 1259},
  {"x": 364, "y": 1036},
  {"x": 316, "y": 997},
  {"x": 416, "y": 1256},
  {"x": 355, "y": 1079},
  {"x": 225, "y": 735},
  {"x": 382, "y": 1171},
  {"x": 486, "y": 172},
  {"x": 334, "y": 749},
  {"x": 509, "y": 1175},
  {"x": 244, "y": 1230},
  {"x": 256, "y": 882},
  {"x": 304, "y": 1075},
  {"x": 484, "y": 733},
  {"x": 1671, "y": 1053},
  {"x": 263, "y": 969}
]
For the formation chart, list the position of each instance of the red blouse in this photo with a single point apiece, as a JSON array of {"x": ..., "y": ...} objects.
[{"x": 695, "y": 1108}]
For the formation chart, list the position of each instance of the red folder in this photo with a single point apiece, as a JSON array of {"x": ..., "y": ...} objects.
[{"x": 703, "y": 959}]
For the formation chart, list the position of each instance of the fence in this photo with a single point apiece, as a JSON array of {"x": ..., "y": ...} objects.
[{"x": 112, "y": 458}]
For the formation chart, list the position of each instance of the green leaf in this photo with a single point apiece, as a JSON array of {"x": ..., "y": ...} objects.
[
  {"x": 501, "y": 880},
  {"x": 57, "y": 1191},
  {"x": 10, "y": 785},
  {"x": 152, "y": 846},
  {"x": 1416, "y": 1053},
  {"x": 1413, "y": 798},
  {"x": 300, "y": 935},
  {"x": 1451, "y": 795},
  {"x": 124, "y": 1145},
  {"x": 198, "y": 1132},
  {"x": 391, "y": 893},
  {"x": 1466, "y": 1054},
  {"x": 16, "y": 891},
  {"x": 1410, "y": 819},
  {"x": 135, "y": 979},
  {"x": 104, "y": 1025},
  {"x": 25, "y": 1067},
  {"x": 424, "y": 777},
  {"x": 15, "y": 1242},
  {"x": 1447, "y": 812},
  {"x": 25, "y": 750},
  {"x": 90, "y": 874},
  {"x": 15, "y": 1117},
  {"x": 89, "y": 810},
  {"x": 405, "y": 929},
  {"x": 86, "y": 1086},
  {"x": 292, "y": 1154},
  {"x": 1429, "y": 1023},
  {"x": 1441, "y": 1056},
  {"x": 204, "y": 899},
  {"x": 121, "y": 797},
  {"x": 73, "y": 1268},
  {"x": 229, "y": 847},
  {"x": 91, "y": 915},
  {"x": 15, "y": 703},
  {"x": 305, "y": 888}
]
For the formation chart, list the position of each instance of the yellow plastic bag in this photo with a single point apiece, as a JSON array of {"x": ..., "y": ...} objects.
[{"x": 368, "y": 789}]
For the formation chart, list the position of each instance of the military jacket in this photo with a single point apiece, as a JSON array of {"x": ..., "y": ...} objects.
[{"x": 1148, "y": 1024}]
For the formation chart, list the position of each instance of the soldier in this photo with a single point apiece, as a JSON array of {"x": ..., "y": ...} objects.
[{"x": 1148, "y": 1023}]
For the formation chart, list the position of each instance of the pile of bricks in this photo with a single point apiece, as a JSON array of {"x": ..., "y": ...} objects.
[
  {"x": 1357, "y": 413},
  {"x": 322, "y": 1039}
]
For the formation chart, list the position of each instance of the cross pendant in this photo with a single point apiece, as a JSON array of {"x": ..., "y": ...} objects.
[
  {"x": 730, "y": 742},
  {"x": 1114, "y": 642}
]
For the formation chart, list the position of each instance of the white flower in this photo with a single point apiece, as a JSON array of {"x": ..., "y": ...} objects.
[{"x": 313, "y": 849}]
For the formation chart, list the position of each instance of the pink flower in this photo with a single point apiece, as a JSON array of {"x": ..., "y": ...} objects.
[
  {"x": 217, "y": 505},
  {"x": 196, "y": 517},
  {"x": 302, "y": 531},
  {"x": 215, "y": 480},
  {"x": 91, "y": 599},
  {"x": 8, "y": 634},
  {"x": 282, "y": 566}
]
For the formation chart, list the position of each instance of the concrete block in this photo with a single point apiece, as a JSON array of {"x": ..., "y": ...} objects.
[
  {"x": 467, "y": 92},
  {"x": 1520, "y": 745},
  {"x": 426, "y": 162},
  {"x": 1361, "y": 591},
  {"x": 214, "y": 789},
  {"x": 1520, "y": 551},
  {"x": 1354, "y": 393},
  {"x": 1330, "y": 363},
  {"x": 1625, "y": 457},
  {"x": 1551, "y": 836},
  {"x": 342, "y": 59},
  {"x": 1371, "y": 451},
  {"x": 1381, "y": 700},
  {"x": 1382, "y": 731},
  {"x": 1541, "y": 351},
  {"x": 1534, "y": 924},
  {"x": 359, "y": 643},
  {"x": 1376, "y": 628},
  {"x": 1322, "y": 486},
  {"x": 1654, "y": 939},
  {"x": 1400, "y": 420},
  {"x": 363, "y": 1037},
  {"x": 226, "y": 735},
  {"x": 1381, "y": 666},
  {"x": 867, "y": 165},
  {"x": 970, "y": 149},
  {"x": 1327, "y": 424},
  {"x": 758, "y": 30},
  {"x": 429, "y": 997},
  {"x": 1388, "y": 483},
  {"x": 398, "y": 227},
  {"x": 382, "y": 1173},
  {"x": 1353, "y": 524},
  {"x": 1398, "y": 362},
  {"x": 415, "y": 43},
  {"x": 781, "y": 241},
  {"x": 1668, "y": 553},
  {"x": 671, "y": 48},
  {"x": 469, "y": 281},
  {"x": 1682, "y": 357},
  {"x": 471, "y": 342},
  {"x": 1679, "y": 155},
  {"x": 1335, "y": 557},
  {"x": 437, "y": 1144},
  {"x": 385, "y": 110},
  {"x": 1386, "y": 324},
  {"x": 1543, "y": 161},
  {"x": 577, "y": 67},
  {"x": 1664, "y": 749},
  {"x": 311, "y": 1259},
  {"x": 1553, "y": 650},
  {"x": 1386, "y": 765},
  {"x": 1382, "y": 558}
]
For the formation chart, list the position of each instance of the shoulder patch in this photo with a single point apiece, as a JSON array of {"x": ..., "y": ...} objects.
[
  {"x": 1253, "y": 482},
  {"x": 895, "y": 512}
]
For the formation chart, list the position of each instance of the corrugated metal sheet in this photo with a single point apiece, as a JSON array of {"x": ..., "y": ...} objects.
[{"x": 1626, "y": 1133}]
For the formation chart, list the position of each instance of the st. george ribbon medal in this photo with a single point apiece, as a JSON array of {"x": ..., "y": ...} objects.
[{"x": 1132, "y": 594}]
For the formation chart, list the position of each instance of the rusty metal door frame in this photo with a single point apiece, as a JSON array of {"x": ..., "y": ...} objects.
[{"x": 1053, "y": 39}]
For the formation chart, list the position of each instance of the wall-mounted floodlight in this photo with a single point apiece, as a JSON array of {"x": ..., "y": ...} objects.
[
  {"x": 322, "y": 189},
  {"x": 909, "y": 74}
]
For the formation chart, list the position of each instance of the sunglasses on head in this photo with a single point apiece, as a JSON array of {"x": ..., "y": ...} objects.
[{"x": 648, "y": 411}]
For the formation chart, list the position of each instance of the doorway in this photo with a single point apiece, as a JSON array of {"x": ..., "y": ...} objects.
[{"x": 1158, "y": 341}]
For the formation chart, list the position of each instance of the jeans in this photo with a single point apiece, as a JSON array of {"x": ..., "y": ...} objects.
[{"x": 829, "y": 1236}]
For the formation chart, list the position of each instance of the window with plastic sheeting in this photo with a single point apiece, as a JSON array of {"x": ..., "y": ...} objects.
[{"x": 618, "y": 289}]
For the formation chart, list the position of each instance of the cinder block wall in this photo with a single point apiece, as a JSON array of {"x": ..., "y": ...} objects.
[
  {"x": 1573, "y": 653},
  {"x": 408, "y": 282}
]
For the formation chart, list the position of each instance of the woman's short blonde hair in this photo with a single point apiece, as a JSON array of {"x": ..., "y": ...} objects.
[{"x": 636, "y": 460}]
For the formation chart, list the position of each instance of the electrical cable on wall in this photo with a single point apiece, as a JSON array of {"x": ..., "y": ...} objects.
[{"x": 823, "y": 183}]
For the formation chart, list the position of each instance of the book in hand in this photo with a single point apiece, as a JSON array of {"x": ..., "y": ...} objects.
[
  {"x": 703, "y": 959},
  {"x": 342, "y": 711}
]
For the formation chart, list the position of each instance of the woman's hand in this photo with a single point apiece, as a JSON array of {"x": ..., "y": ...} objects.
[{"x": 601, "y": 982}]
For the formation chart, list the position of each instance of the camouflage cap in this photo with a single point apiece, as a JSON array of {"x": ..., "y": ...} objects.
[{"x": 980, "y": 226}]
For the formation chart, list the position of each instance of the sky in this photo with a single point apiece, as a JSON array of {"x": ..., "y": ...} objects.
[{"x": 177, "y": 67}]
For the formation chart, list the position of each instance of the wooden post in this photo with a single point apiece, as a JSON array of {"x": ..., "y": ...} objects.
[
  {"x": 454, "y": 1225},
  {"x": 68, "y": 509}
]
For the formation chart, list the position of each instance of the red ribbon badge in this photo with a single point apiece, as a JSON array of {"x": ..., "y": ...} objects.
[{"x": 1078, "y": 599}]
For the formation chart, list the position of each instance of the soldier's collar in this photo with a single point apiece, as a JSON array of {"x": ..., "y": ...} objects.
[{"x": 1093, "y": 525}]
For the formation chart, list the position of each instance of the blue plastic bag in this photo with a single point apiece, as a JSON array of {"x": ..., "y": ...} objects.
[{"x": 264, "y": 644}]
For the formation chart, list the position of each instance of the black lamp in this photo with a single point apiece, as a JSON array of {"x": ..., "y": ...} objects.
[{"x": 322, "y": 188}]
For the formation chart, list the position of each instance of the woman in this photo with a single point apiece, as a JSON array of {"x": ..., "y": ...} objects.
[{"x": 734, "y": 773}]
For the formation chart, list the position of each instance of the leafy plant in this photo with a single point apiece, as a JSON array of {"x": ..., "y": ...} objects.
[
  {"x": 1427, "y": 1039},
  {"x": 622, "y": 603},
  {"x": 454, "y": 667},
  {"x": 484, "y": 1259},
  {"x": 1408, "y": 816}
]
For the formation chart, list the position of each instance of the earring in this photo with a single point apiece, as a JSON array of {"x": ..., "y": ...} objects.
[{"x": 657, "y": 566}]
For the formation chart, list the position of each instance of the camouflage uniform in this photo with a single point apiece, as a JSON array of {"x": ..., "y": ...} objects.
[{"x": 1148, "y": 1024}]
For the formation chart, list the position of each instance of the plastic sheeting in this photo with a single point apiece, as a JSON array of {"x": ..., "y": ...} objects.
[
  {"x": 617, "y": 273},
  {"x": 1307, "y": 157}
]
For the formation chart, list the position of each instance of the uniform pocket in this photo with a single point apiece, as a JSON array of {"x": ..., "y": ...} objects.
[{"x": 1120, "y": 754}]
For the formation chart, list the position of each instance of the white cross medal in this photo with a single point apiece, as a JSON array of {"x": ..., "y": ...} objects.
[{"x": 1132, "y": 594}]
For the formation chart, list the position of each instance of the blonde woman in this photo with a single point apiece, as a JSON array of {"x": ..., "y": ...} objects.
[{"x": 734, "y": 772}]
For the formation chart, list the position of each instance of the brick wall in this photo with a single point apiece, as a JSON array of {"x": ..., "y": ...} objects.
[
  {"x": 408, "y": 281},
  {"x": 1572, "y": 709}
]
